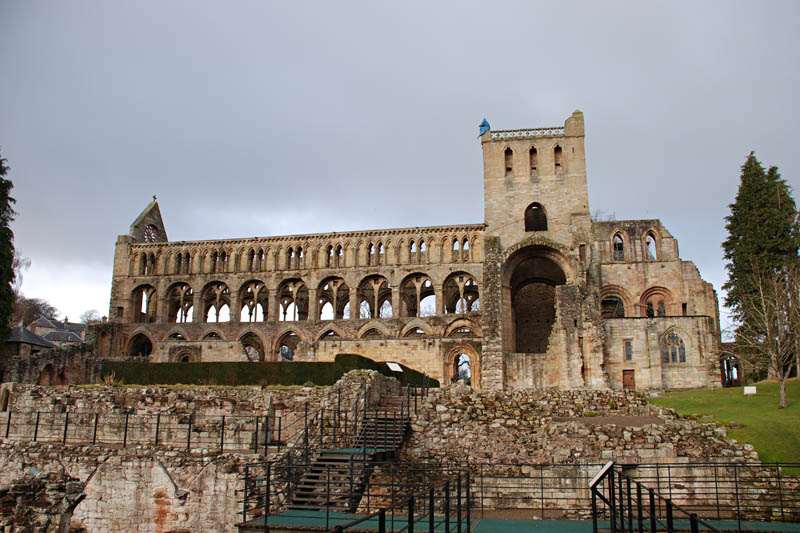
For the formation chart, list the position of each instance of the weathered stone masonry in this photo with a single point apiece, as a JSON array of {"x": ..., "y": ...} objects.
[{"x": 537, "y": 296}]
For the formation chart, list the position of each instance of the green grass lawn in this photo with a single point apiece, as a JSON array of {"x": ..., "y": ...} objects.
[{"x": 775, "y": 433}]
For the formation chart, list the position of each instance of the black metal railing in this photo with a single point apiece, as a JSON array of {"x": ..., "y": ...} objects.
[
  {"x": 352, "y": 429},
  {"x": 401, "y": 498},
  {"x": 221, "y": 433},
  {"x": 653, "y": 497}
]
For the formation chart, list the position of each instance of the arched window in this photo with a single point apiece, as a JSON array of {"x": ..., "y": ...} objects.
[
  {"x": 673, "y": 350},
  {"x": 650, "y": 246},
  {"x": 339, "y": 256},
  {"x": 534, "y": 158},
  {"x": 381, "y": 253},
  {"x": 329, "y": 256},
  {"x": 558, "y": 157},
  {"x": 509, "y": 158},
  {"x": 619, "y": 248},
  {"x": 535, "y": 218}
]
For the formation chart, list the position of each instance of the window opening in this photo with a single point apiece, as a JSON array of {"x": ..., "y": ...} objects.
[
  {"x": 534, "y": 159},
  {"x": 535, "y": 218},
  {"x": 463, "y": 369},
  {"x": 628, "y": 350},
  {"x": 650, "y": 246},
  {"x": 673, "y": 349},
  {"x": 509, "y": 157},
  {"x": 557, "y": 156},
  {"x": 619, "y": 248}
]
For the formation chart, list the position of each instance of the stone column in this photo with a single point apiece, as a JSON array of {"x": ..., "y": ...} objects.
[
  {"x": 492, "y": 363},
  {"x": 313, "y": 305}
]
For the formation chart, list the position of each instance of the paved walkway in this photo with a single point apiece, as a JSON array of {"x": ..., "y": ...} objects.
[{"x": 299, "y": 520}]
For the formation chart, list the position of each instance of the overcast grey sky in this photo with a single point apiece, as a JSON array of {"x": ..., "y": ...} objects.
[{"x": 258, "y": 118}]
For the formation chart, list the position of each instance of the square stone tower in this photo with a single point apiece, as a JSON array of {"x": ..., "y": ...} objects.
[
  {"x": 544, "y": 166},
  {"x": 540, "y": 325}
]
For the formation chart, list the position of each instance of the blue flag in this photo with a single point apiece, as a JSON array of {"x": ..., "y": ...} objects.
[{"x": 484, "y": 127}]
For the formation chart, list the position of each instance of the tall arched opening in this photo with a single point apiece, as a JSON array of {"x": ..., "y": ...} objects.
[
  {"x": 530, "y": 279},
  {"x": 461, "y": 363}
]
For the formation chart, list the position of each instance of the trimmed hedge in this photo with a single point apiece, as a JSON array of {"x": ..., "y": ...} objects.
[{"x": 247, "y": 373}]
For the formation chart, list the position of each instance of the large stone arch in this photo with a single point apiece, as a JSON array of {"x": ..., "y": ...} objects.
[
  {"x": 530, "y": 277},
  {"x": 450, "y": 361}
]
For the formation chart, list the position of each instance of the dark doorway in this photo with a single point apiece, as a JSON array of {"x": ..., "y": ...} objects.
[{"x": 533, "y": 283}]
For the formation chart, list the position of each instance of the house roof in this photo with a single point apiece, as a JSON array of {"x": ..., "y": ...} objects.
[
  {"x": 62, "y": 336},
  {"x": 43, "y": 322},
  {"x": 21, "y": 335}
]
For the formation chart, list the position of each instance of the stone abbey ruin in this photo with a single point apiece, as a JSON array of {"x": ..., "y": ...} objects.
[
  {"x": 542, "y": 326},
  {"x": 537, "y": 296}
]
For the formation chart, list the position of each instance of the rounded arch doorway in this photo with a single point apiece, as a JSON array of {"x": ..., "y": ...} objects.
[
  {"x": 530, "y": 279},
  {"x": 462, "y": 364}
]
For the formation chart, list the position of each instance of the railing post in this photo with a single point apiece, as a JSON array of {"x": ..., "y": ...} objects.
[
  {"x": 222, "y": 435},
  {"x": 716, "y": 491},
  {"x": 305, "y": 432},
  {"x": 652, "y": 494},
  {"x": 266, "y": 436},
  {"x": 469, "y": 506},
  {"x": 670, "y": 525},
  {"x": 188, "y": 432},
  {"x": 458, "y": 503},
  {"x": 431, "y": 524},
  {"x": 612, "y": 500},
  {"x": 94, "y": 433},
  {"x": 639, "y": 512},
  {"x": 125, "y": 434},
  {"x": 267, "y": 502},
  {"x": 289, "y": 475},
  {"x": 594, "y": 509},
  {"x": 255, "y": 440},
  {"x": 36, "y": 428},
  {"x": 411, "y": 514},
  {"x": 780, "y": 492},
  {"x": 66, "y": 424},
  {"x": 327, "y": 496},
  {"x": 158, "y": 426},
  {"x": 321, "y": 428},
  {"x": 738, "y": 508},
  {"x": 244, "y": 501},
  {"x": 693, "y": 523},
  {"x": 280, "y": 419},
  {"x": 382, "y": 521},
  {"x": 630, "y": 503},
  {"x": 447, "y": 506}
]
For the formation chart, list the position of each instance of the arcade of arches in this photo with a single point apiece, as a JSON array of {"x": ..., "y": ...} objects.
[{"x": 537, "y": 295}]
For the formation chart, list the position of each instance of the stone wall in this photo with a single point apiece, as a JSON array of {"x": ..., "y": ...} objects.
[
  {"x": 165, "y": 488},
  {"x": 459, "y": 425}
]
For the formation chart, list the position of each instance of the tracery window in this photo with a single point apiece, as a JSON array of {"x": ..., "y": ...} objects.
[{"x": 673, "y": 350}]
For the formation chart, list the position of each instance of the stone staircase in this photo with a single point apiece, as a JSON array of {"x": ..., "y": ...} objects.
[{"x": 338, "y": 478}]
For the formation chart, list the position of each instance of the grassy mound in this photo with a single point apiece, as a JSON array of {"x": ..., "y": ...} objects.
[{"x": 756, "y": 420}]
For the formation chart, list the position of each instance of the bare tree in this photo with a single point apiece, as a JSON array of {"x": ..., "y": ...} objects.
[
  {"x": 92, "y": 315},
  {"x": 768, "y": 339}
]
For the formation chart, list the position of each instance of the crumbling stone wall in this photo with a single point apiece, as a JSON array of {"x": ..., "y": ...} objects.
[
  {"x": 158, "y": 489},
  {"x": 459, "y": 425}
]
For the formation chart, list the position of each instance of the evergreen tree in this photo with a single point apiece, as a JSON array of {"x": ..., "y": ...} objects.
[
  {"x": 7, "y": 214},
  {"x": 762, "y": 229}
]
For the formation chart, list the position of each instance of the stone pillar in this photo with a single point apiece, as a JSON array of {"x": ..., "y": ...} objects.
[
  {"x": 492, "y": 361},
  {"x": 313, "y": 305},
  {"x": 236, "y": 306},
  {"x": 354, "y": 308}
]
